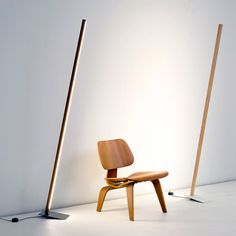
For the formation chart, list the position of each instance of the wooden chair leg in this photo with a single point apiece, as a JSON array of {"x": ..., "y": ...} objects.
[
  {"x": 101, "y": 198},
  {"x": 157, "y": 186},
  {"x": 130, "y": 200}
]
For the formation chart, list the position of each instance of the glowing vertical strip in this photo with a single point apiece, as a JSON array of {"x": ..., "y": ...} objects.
[{"x": 65, "y": 117}]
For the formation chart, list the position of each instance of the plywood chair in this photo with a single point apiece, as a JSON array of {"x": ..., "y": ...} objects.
[{"x": 116, "y": 154}]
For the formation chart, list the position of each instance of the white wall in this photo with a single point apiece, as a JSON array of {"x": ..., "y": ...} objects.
[{"x": 143, "y": 77}]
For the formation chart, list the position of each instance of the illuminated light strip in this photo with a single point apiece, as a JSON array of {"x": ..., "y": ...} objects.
[{"x": 46, "y": 213}]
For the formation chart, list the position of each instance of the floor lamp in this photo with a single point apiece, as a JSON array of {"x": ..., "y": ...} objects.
[
  {"x": 47, "y": 213},
  {"x": 204, "y": 118},
  {"x": 192, "y": 195}
]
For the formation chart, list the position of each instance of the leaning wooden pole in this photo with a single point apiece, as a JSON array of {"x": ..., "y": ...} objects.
[
  {"x": 204, "y": 118},
  {"x": 65, "y": 118}
]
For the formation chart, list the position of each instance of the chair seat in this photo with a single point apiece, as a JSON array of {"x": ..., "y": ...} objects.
[{"x": 147, "y": 175}]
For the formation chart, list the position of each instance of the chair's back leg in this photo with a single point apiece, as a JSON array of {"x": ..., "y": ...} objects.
[
  {"x": 130, "y": 200},
  {"x": 101, "y": 198},
  {"x": 157, "y": 186}
]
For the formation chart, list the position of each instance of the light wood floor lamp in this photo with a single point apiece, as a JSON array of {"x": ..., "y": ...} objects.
[
  {"x": 47, "y": 212},
  {"x": 192, "y": 195},
  {"x": 205, "y": 112}
]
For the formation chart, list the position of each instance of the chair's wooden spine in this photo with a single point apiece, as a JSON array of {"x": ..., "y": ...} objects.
[{"x": 112, "y": 173}]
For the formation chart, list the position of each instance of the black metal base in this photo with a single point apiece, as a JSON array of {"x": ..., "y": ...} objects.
[{"x": 54, "y": 215}]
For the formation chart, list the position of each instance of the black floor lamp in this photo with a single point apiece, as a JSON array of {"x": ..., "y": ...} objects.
[{"x": 47, "y": 213}]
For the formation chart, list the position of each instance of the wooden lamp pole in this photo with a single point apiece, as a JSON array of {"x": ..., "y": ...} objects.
[{"x": 204, "y": 118}]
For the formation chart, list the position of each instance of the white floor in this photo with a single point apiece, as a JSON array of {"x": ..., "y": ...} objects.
[{"x": 184, "y": 218}]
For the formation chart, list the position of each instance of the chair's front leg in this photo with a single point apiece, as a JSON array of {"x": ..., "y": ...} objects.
[
  {"x": 102, "y": 196},
  {"x": 130, "y": 199},
  {"x": 157, "y": 186}
]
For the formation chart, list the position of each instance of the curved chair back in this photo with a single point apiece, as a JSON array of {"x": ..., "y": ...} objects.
[{"x": 114, "y": 154}]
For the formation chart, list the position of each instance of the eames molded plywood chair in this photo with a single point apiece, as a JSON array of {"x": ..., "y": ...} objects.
[{"x": 116, "y": 154}]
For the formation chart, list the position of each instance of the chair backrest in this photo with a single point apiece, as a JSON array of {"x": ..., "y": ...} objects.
[{"x": 114, "y": 154}]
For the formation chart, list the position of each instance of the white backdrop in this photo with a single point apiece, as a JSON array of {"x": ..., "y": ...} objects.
[{"x": 143, "y": 77}]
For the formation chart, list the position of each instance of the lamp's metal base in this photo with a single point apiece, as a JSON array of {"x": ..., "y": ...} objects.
[
  {"x": 197, "y": 198},
  {"x": 54, "y": 215}
]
